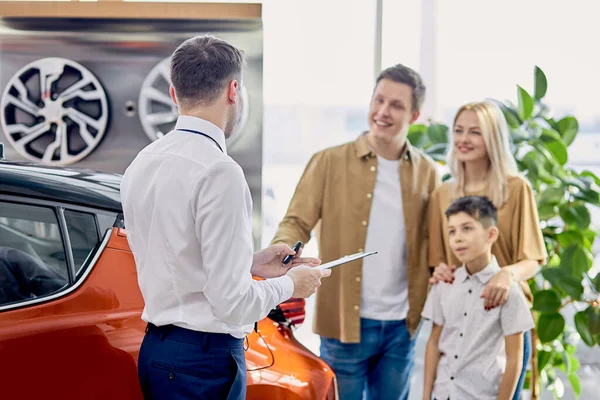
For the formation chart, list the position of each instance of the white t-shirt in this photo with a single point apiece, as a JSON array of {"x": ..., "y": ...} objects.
[{"x": 384, "y": 285}]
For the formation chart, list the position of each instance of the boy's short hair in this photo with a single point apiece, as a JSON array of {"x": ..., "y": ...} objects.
[{"x": 478, "y": 207}]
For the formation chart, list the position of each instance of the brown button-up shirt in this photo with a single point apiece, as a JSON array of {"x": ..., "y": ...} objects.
[{"x": 336, "y": 190}]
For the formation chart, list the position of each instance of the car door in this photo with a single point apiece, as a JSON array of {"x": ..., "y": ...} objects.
[{"x": 70, "y": 307}]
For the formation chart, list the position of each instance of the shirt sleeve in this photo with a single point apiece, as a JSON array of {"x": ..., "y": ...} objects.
[
  {"x": 435, "y": 230},
  {"x": 526, "y": 234},
  {"x": 433, "y": 307},
  {"x": 223, "y": 227},
  {"x": 306, "y": 205},
  {"x": 515, "y": 315}
]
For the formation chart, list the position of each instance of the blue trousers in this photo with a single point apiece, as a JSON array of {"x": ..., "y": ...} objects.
[
  {"x": 177, "y": 364},
  {"x": 379, "y": 366}
]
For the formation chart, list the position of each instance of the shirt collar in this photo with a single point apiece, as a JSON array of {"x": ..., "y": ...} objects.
[
  {"x": 363, "y": 151},
  {"x": 204, "y": 126},
  {"x": 483, "y": 276}
]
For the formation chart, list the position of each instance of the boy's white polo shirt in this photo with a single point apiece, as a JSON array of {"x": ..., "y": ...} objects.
[{"x": 472, "y": 339}]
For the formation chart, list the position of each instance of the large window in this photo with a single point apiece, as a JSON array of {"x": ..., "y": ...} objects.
[
  {"x": 484, "y": 49},
  {"x": 318, "y": 79}
]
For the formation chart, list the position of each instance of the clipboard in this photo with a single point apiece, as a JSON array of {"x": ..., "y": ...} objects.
[{"x": 346, "y": 259}]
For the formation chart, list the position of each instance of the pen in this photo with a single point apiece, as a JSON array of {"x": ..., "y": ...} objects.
[{"x": 289, "y": 257}]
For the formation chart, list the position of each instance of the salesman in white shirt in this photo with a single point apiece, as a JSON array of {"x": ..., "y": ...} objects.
[{"x": 188, "y": 212}]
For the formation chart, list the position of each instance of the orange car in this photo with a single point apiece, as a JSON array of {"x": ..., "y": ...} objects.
[{"x": 70, "y": 306}]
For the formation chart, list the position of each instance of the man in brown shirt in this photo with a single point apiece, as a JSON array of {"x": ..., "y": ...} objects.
[{"x": 370, "y": 195}]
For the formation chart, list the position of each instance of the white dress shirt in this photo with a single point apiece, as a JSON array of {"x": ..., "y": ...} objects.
[
  {"x": 472, "y": 340},
  {"x": 384, "y": 294},
  {"x": 187, "y": 211}
]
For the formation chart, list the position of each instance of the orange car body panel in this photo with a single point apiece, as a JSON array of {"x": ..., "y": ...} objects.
[{"x": 85, "y": 344}]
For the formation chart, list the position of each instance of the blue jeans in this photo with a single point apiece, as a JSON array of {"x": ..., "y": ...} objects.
[
  {"x": 526, "y": 355},
  {"x": 380, "y": 364}
]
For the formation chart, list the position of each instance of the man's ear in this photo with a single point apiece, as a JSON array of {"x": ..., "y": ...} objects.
[
  {"x": 232, "y": 91},
  {"x": 415, "y": 116},
  {"x": 493, "y": 234},
  {"x": 172, "y": 94}
]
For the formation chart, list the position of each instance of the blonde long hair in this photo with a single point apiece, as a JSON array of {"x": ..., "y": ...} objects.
[{"x": 502, "y": 165}]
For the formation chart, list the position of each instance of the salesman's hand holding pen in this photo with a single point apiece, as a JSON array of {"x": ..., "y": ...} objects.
[{"x": 269, "y": 263}]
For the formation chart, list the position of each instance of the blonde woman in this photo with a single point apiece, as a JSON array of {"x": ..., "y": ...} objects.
[{"x": 481, "y": 164}]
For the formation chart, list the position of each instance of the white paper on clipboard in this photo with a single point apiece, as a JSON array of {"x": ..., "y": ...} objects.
[{"x": 346, "y": 259}]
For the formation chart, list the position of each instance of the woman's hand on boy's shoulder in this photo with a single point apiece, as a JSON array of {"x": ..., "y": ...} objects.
[
  {"x": 442, "y": 273},
  {"x": 496, "y": 291}
]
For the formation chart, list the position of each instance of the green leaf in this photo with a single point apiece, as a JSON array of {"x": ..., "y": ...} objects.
[
  {"x": 543, "y": 358},
  {"x": 558, "y": 150},
  {"x": 569, "y": 237},
  {"x": 590, "y": 174},
  {"x": 583, "y": 328},
  {"x": 438, "y": 134},
  {"x": 589, "y": 234},
  {"x": 563, "y": 280},
  {"x": 546, "y": 177},
  {"x": 593, "y": 314},
  {"x": 546, "y": 301},
  {"x": 575, "y": 364},
  {"x": 575, "y": 260},
  {"x": 589, "y": 182},
  {"x": 588, "y": 196},
  {"x": 525, "y": 107},
  {"x": 567, "y": 127},
  {"x": 417, "y": 135},
  {"x": 567, "y": 363},
  {"x": 512, "y": 119},
  {"x": 510, "y": 114},
  {"x": 550, "y": 135},
  {"x": 547, "y": 211},
  {"x": 436, "y": 149},
  {"x": 550, "y": 326},
  {"x": 575, "y": 384},
  {"x": 531, "y": 161},
  {"x": 569, "y": 179},
  {"x": 541, "y": 83},
  {"x": 575, "y": 214},
  {"x": 552, "y": 196}
]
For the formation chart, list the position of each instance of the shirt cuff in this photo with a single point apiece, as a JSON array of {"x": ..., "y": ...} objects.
[{"x": 286, "y": 287}]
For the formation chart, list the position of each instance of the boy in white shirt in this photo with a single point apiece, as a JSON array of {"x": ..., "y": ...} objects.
[{"x": 473, "y": 353}]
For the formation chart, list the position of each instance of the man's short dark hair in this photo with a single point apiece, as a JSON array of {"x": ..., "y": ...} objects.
[
  {"x": 478, "y": 207},
  {"x": 402, "y": 74},
  {"x": 202, "y": 66}
]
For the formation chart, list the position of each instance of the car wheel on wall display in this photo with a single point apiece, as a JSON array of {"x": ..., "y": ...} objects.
[
  {"x": 157, "y": 111},
  {"x": 54, "y": 111}
]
